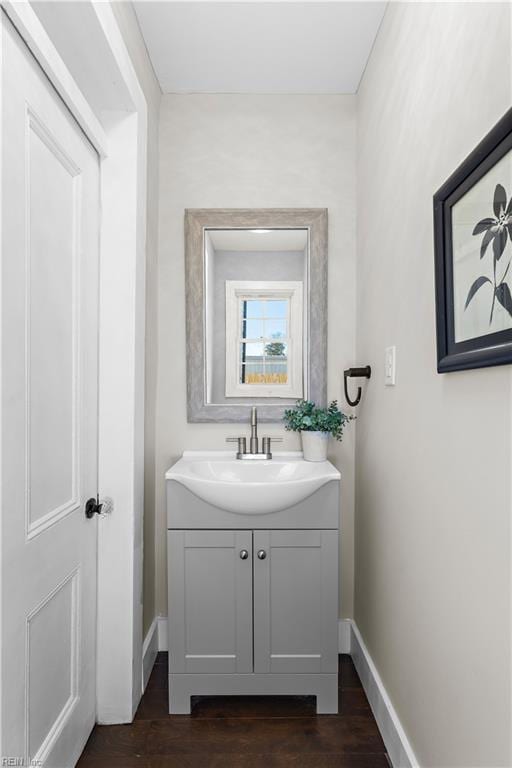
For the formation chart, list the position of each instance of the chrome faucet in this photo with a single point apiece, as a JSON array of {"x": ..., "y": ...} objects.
[
  {"x": 254, "y": 431},
  {"x": 253, "y": 452}
]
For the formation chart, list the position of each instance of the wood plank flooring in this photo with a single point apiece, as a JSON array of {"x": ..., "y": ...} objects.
[{"x": 242, "y": 731}]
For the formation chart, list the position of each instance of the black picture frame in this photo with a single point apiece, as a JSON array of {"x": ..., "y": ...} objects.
[{"x": 493, "y": 348}]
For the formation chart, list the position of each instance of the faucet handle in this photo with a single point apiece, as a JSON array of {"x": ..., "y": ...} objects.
[
  {"x": 242, "y": 447},
  {"x": 267, "y": 443}
]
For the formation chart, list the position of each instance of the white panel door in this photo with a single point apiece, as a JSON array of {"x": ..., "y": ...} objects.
[{"x": 49, "y": 316}]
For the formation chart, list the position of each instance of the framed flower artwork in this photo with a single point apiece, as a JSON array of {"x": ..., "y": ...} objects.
[{"x": 473, "y": 254}]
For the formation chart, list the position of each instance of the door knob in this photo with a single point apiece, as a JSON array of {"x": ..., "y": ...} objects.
[
  {"x": 97, "y": 506},
  {"x": 262, "y": 554},
  {"x": 244, "y": 554},
  {"x": 92, "y": 507}
]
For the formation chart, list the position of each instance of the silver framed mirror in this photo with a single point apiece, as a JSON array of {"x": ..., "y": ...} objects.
[{"x": 256, "y": 311}]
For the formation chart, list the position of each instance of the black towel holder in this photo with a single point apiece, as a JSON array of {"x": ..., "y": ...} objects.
[{"x": 355, "y": 373}]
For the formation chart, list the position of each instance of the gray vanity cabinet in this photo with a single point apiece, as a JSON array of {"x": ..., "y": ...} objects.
[
  {"x": 295, "y": 601},
  {"x": 253, "y": 600},
  {"x": 210, "y": 601}
]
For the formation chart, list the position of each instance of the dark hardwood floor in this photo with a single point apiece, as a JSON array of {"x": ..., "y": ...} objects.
[{"x": 242, "y": 732}]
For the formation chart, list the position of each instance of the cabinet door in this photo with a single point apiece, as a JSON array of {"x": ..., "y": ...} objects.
[
  {"x": 210, "y": 601},
  {"x": 295, "y": 601}
]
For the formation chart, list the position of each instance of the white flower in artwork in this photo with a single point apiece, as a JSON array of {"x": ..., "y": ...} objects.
[{"x": 498, "y": 230}]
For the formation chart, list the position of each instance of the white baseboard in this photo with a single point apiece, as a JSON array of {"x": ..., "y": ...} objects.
[
  {"x": 162, "y": 633},
  {"x": 149, "y": 652},
  {"x": 349, "y": 641},
  {"x": 344, "y": 627},
  {"x": 399, "y": 750}
]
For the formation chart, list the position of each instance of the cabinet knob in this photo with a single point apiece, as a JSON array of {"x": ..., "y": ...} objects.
[
  {"x": 244, "y": 554},
  {"x": 262, "y": 554}
]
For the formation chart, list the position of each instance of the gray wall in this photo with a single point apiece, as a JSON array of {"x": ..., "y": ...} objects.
[
  {"x": 244, "y": 265},
  {"x": 432, "y": 586}
]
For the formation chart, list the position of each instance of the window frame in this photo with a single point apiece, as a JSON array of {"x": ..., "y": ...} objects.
[{"x": 240, "y": 290}]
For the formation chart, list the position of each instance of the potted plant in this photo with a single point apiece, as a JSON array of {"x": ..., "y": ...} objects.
[{"x": 316, "y": 425}]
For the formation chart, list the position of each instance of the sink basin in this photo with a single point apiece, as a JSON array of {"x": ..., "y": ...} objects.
[{"x": 251, "y": 487}]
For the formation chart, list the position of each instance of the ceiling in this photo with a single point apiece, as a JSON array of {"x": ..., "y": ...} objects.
[
  {"x": 259, "y": 240},
  {"x": 259, "y": 47}
]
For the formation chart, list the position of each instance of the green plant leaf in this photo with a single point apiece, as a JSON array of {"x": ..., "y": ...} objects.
[{"x": 306, "y": 417}]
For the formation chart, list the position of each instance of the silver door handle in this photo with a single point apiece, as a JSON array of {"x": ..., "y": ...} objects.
[
  {"x": 262, "y": 554},
  {"x": 244, "y": 554}
]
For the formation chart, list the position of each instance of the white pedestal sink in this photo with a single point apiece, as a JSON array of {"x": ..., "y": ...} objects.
[{"x": 248, "y": 487}]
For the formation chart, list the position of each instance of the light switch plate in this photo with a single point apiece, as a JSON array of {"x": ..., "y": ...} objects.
[{"x": 390, "y": 367}]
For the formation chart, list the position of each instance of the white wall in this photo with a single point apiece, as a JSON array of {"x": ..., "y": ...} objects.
[
  {"x": 252, "y": 151},
  {"x": 432, "y": 581}
]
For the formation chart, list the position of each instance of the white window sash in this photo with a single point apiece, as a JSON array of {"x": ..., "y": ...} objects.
[{"x": 237, "y": 290}]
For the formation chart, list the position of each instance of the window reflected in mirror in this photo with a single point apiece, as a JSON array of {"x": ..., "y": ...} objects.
[
  {"x": 264, "y": 341},
  {"x": 256, "y": 284},
  {"x": 264, "y": 348}
]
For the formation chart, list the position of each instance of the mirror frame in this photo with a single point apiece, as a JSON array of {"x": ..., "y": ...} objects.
[{"x": 197, "y": 220}]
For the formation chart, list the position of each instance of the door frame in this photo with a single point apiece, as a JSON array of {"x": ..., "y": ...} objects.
[{"x": 118, "y": 131}]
